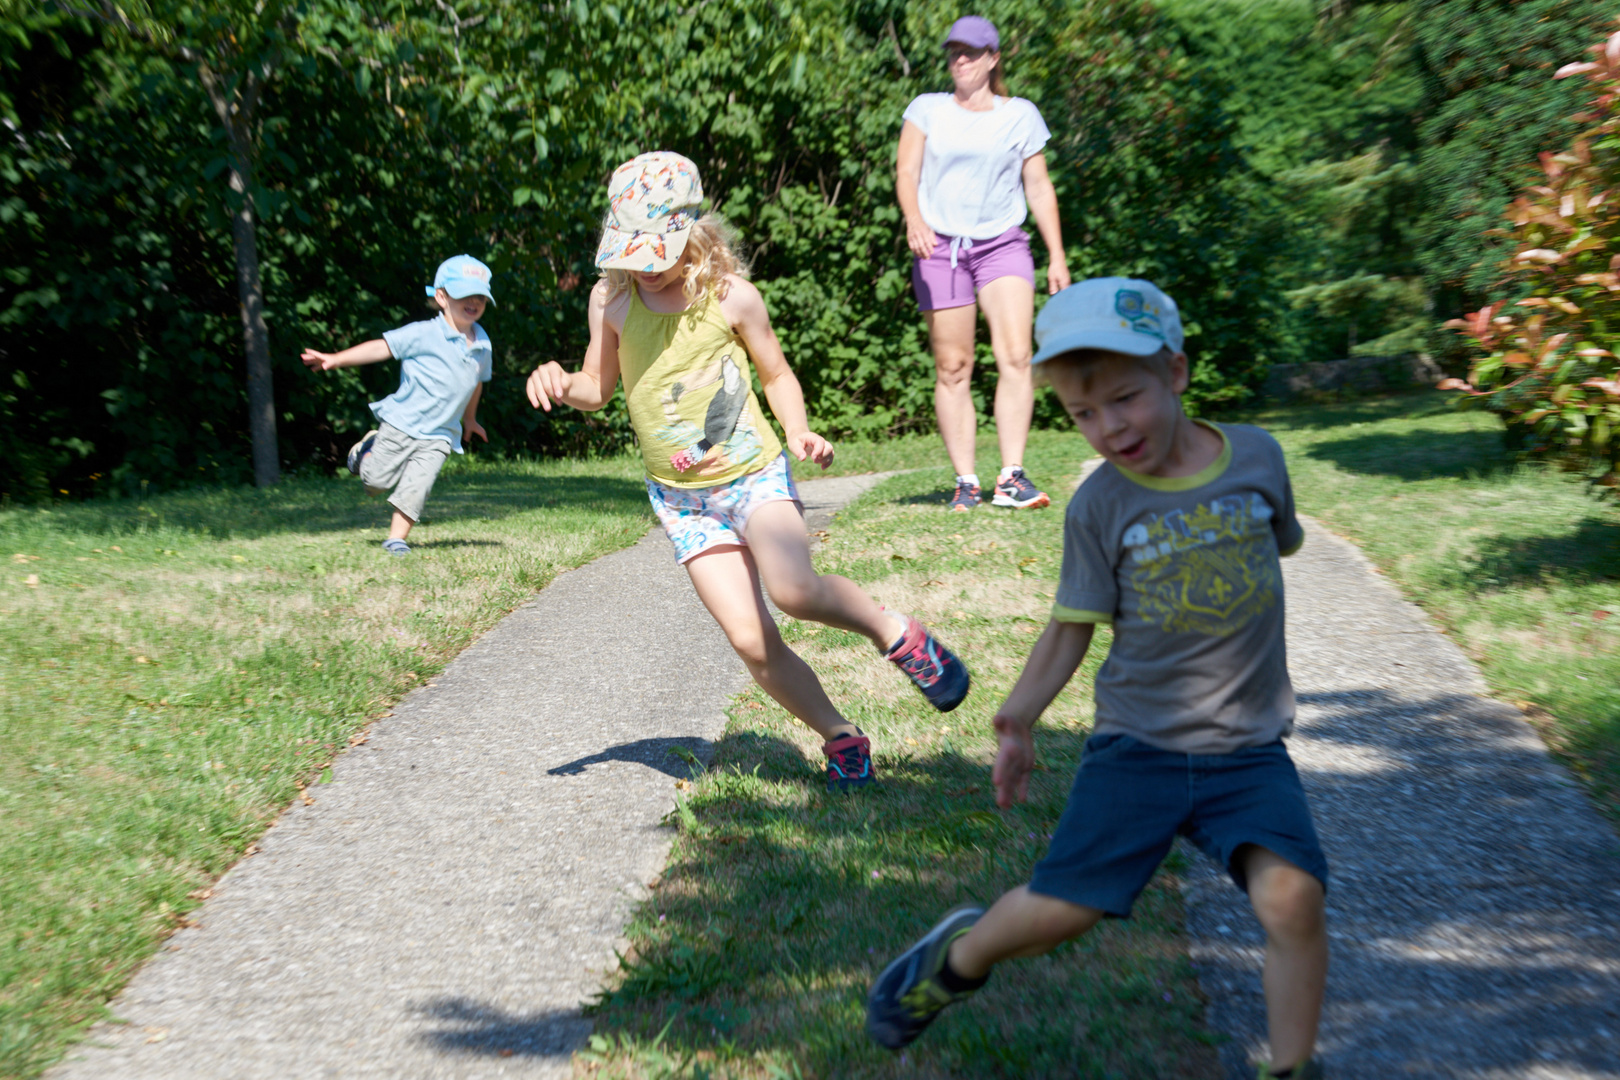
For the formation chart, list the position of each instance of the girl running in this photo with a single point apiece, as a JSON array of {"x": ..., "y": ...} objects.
[{"x": 674, "y": 313}]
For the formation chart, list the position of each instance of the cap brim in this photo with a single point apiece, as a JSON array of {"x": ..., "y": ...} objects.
[
  {"x": 644, "y": 252},
  {"x": 463, "y": 288},
  {"x": 1120, "y": 341}
]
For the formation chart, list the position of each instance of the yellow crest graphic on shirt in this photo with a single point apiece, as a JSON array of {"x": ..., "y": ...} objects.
[{"x": 1208, "y": 570}]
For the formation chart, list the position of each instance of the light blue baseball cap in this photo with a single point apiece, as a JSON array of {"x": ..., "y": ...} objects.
[
  {"x": 1119, "y": 314},
  {"x": 461, "y": 277}
]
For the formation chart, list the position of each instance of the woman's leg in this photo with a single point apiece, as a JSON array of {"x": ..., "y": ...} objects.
[
  {"x": 1009, "y": 308},
  {"x": 728, "y": 584},
  {"x": 950, "y": 334},
  {"x": 781, "y": 551}
]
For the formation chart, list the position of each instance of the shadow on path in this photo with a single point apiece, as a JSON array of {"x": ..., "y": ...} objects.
[
  {"x": 479, "y": 1028},
  {"x": 668, "y": 756}
]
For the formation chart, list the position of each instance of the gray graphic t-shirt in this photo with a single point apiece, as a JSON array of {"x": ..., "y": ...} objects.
[{"x": 1186, "y": 569}]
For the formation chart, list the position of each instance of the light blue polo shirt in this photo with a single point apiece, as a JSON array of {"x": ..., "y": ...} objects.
[{"x": 438, "y": 371}]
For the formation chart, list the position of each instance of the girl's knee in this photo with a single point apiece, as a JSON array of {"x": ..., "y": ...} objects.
[
  {"x": 752, "y": 645},
  {"x": 798, "y": 599}
]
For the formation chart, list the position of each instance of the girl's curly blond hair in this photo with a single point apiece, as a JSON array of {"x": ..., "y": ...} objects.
[{"x": 712, "y": 251}]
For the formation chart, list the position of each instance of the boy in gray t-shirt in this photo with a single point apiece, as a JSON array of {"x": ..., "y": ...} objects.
[{"x": 1175, "y": 541}]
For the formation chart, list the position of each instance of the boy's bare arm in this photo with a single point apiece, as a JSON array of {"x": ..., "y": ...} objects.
[
  {"x": 745, "y": 309},
  {"x": 367, "y": 352},
  {"x": 469, "y": 418},
  {"x": 593, "y": 384},
  {"x": 1051, "y": 664}
]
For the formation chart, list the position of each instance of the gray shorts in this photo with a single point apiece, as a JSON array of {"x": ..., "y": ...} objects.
[{"x": 407, "y": 465}]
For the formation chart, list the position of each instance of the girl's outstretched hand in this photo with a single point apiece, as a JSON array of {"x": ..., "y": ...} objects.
[
  {"x": 548, "y": 383},
  {"x": 807, "y": 444},
  {"x": 1014, "y": 761}
]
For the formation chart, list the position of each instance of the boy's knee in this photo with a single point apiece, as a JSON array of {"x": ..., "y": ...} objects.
[{"x": 1288, "y": 901}]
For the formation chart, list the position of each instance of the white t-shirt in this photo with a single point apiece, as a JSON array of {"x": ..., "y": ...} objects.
[{"x": 973, "y": 163}]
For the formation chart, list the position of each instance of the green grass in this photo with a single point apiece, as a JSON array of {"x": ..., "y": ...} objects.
[
  {"x": 1519, "y": 564},
  {"x": 172, "y": 671},
  {"x": 781, "y": 902}
]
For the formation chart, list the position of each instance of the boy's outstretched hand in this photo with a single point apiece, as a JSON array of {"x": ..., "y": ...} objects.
[
  {"x": 1014, "y": 761},
  {"x": 807, "y": 444},
  {"x": 547, "y": 383},
  {"x": 319, "y": 360}
]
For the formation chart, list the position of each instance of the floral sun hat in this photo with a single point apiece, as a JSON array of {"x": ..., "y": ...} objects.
[{"x": 653, "y": 201}]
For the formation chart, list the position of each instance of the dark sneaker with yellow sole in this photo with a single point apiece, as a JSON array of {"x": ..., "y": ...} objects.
[
  {"x": 1310, "y": 1070},
  {"x": 910, "y": 993},
  {"x": 849, "y": 762}
]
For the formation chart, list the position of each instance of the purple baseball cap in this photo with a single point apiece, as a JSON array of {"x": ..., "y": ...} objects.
[{"x": 976, "y": 32}]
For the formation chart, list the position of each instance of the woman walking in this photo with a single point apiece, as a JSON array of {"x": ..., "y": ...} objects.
[{"x": 968, "y": 161}]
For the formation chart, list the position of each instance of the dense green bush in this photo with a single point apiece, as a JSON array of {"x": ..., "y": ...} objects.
[{"x": 1546, "y": 362}]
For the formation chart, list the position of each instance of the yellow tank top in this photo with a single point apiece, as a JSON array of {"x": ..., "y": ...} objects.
[{"x": 690, "y": 388}]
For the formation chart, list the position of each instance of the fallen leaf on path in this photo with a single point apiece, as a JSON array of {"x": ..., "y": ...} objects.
[
  {"x": 199, "y": 894},
  {"x": 359, "y": 737},
  {"x": 156, "y": 1034},
  {"x": 32, "y": 581},
  {"x": 1600, "y": 615}
]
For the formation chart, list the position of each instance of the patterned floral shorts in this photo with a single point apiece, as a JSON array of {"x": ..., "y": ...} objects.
[{"x": 698, "y": 519}]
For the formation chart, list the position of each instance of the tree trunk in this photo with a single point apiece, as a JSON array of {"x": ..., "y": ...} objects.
[{"x": 255, "y": 334}]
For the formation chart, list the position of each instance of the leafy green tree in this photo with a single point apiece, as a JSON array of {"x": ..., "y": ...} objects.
[
  {"x": 1489, "y": 109},
  {"x": 1546, "y": 363}
]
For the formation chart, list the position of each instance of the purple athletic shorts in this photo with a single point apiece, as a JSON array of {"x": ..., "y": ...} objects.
[{"x": 951, "y": 278}]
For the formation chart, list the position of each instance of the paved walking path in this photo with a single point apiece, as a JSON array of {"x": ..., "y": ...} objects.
[
  {"x": 458, "y": 888},
  {"x": 451, "y": 897},
  {"x": 1474, "y": 892}
]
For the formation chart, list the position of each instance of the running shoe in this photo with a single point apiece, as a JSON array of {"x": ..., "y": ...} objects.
[
  {"x": 849, "y": 762},
  {"x": 1016, "y": 491},
  {"x": 942, "y": 678},
  {"x": 358, "y": 452},
  {"x": 909, "y": 994},
  {"x": 397, "y": 548},
  {"x": 966, "y": 497},
  {"x": 1310, "y": 1070}
]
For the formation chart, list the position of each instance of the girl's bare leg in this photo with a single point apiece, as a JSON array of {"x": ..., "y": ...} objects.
[
  {"x": 781, "y": 550},
  {"x": 728, "y": 584},
  {"x": 950, "y": 334},
  {"x": 1009, "y": 308}
]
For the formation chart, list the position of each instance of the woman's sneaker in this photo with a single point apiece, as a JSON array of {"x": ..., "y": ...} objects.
[
  {"x": 942, "y": 678},
  {"x": 358, "y": 452},
  {"x": 966, "y": 497},
  {"x": 1015, "y": 490},
  {"x": 849, "y": 762},
  {"x": 909, "y": 994}
]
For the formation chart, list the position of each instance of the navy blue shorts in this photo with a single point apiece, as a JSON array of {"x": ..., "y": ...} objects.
[{"x": 1130, "y": 801}]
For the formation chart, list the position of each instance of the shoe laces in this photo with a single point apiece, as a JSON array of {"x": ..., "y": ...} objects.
[
  {"x": 921, "y": 662},
  {"x": 1020, "y": 484}
]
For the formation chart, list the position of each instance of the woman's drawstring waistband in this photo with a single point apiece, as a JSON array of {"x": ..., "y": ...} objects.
[{"x": 959, "y": 243}]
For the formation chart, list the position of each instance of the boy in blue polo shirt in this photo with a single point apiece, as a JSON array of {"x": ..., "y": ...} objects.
[
  {"x": 1174, "y": 540},
  {"x": 443, "y": 365}
]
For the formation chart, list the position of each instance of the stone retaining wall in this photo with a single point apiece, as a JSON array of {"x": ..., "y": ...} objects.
[{"x": 1358, "y": 375}]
